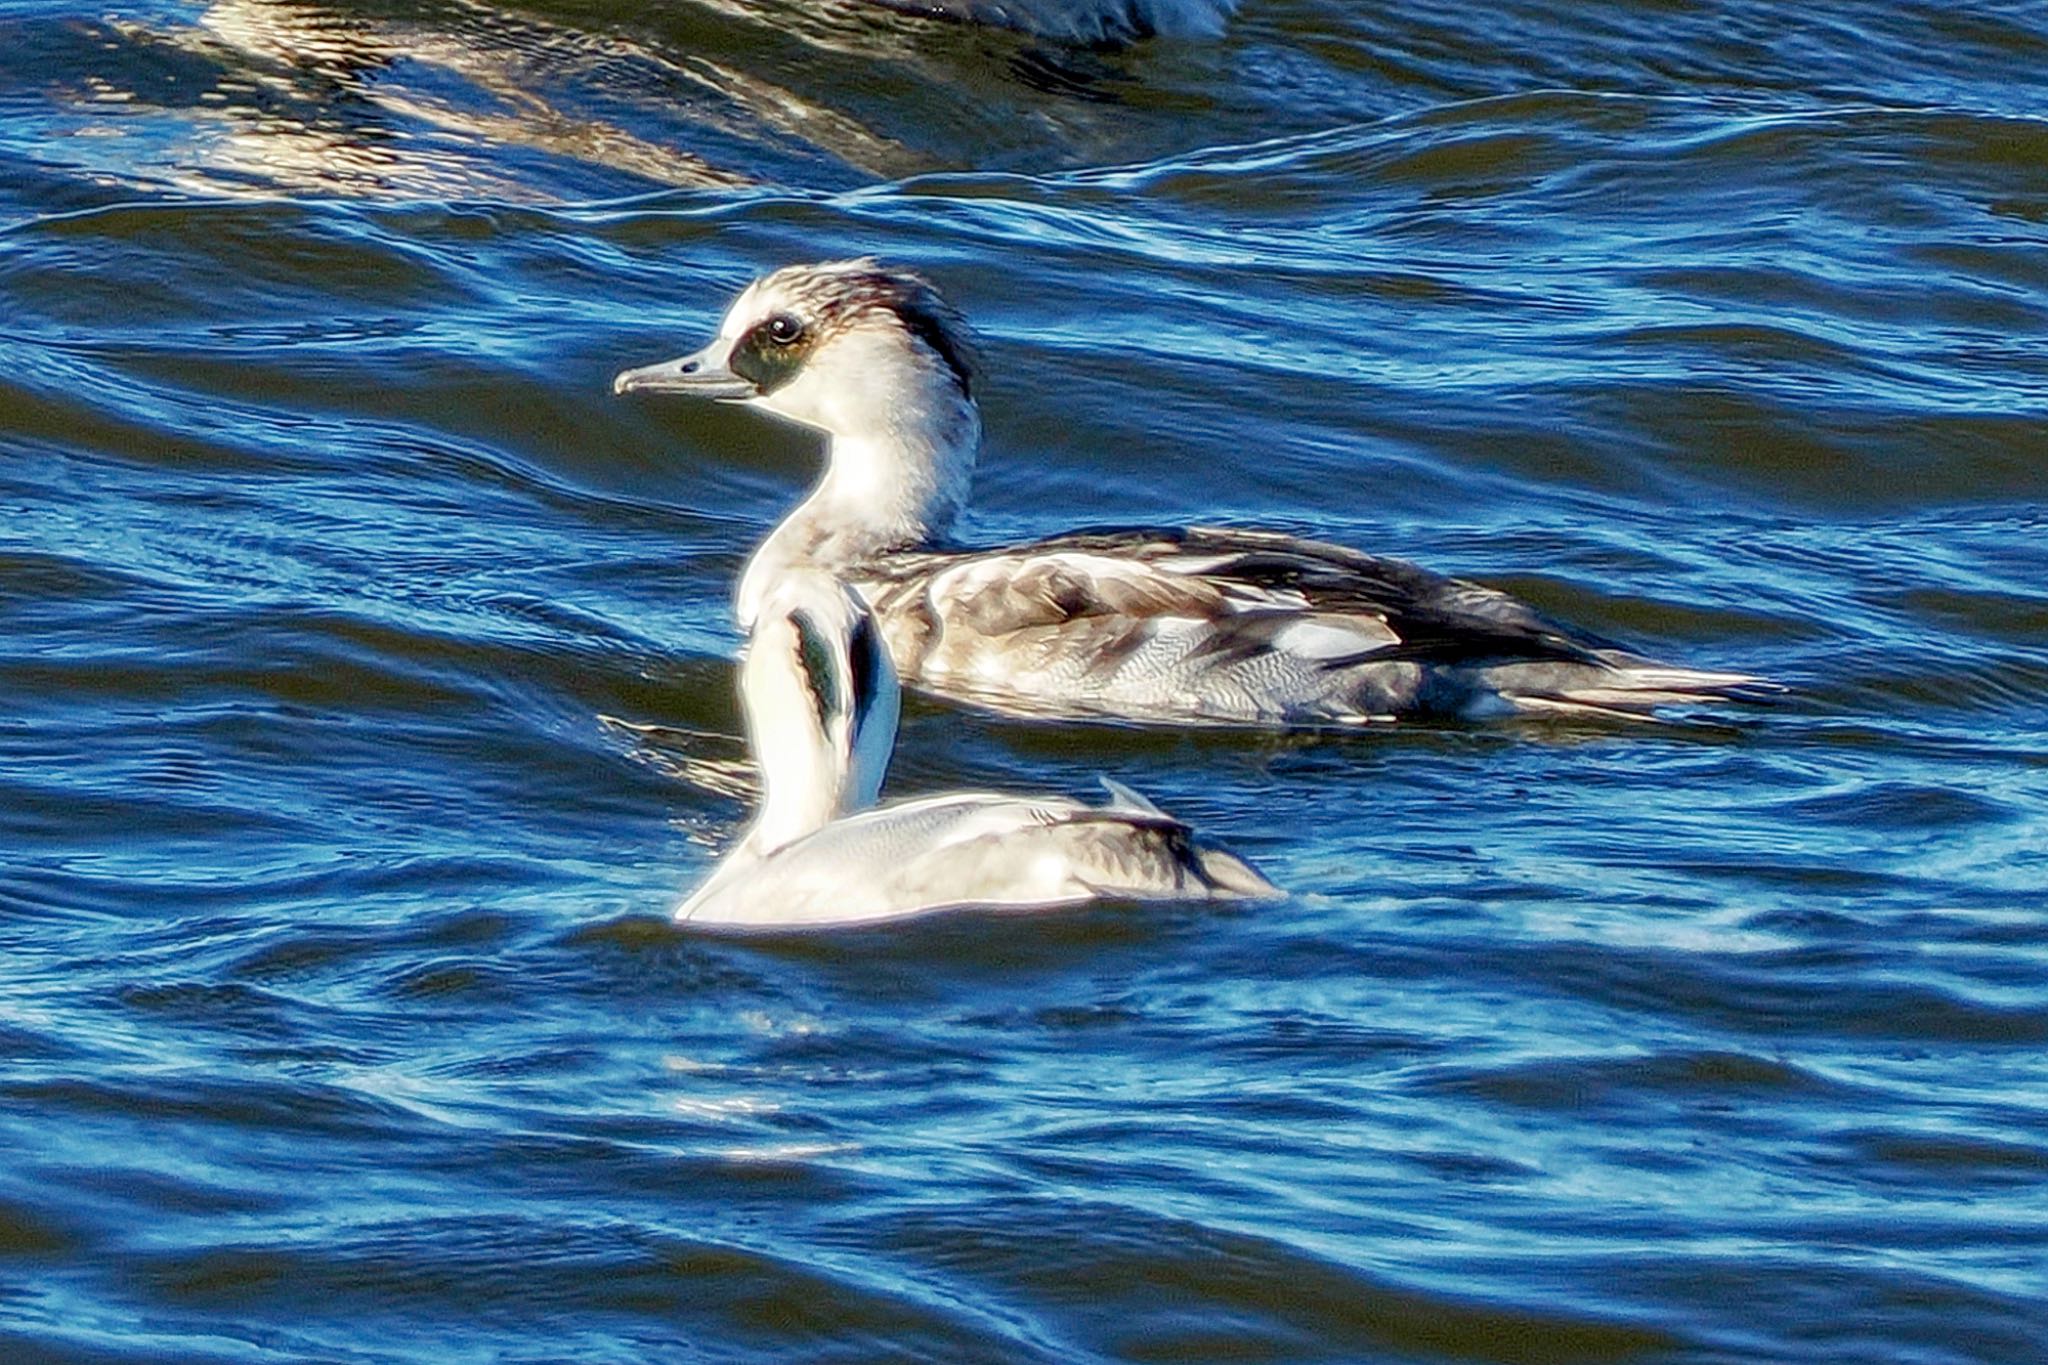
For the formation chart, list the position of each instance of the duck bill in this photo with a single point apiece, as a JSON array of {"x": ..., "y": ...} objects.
[{"x": 700, "y": 375}]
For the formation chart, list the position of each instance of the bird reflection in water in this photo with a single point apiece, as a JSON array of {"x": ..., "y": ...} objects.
[{"x": 273, "y": 96}]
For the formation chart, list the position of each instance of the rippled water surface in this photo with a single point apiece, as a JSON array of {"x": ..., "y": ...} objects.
[{"x": 365, "y": 689}]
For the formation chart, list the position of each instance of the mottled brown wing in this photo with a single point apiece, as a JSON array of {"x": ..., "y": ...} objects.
[{"x": 1251, "y": 586}]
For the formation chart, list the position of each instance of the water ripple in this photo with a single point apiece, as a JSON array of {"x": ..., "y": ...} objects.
[{"x": 367, "y": 689}]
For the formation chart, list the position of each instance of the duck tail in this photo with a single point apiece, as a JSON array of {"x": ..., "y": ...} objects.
[
  {"x": 1627, "y": 687},
  {"x": 1229, "y": 877},
  {"x": 1218, "y": 875}
]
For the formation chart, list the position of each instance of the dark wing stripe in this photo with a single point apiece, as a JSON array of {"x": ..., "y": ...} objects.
[
  {"x": 864, "y": 654},
  {"x": 814, "y": 657}
]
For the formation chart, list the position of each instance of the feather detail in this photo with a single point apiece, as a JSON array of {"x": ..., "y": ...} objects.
[
  {"x": 1239, "y": 627},
  {"x": 973, "y": 849}
]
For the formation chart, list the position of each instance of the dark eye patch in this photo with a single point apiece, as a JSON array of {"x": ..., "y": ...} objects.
[{"x": 771, "y": 352}]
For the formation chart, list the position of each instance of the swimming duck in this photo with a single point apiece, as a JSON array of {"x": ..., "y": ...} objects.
[
  {"x": 1204, "y": 625},
  {"x": 821, "y": 700}
]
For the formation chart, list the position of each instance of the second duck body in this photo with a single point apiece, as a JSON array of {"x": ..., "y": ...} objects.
[{"x": 820, "y": 700}]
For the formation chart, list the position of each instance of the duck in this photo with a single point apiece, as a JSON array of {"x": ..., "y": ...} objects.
[
  {"x": 820, "y": 701},
  {"x": 1172, "y": 626}
]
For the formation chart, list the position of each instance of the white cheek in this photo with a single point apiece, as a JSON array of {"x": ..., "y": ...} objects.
[
  {"x": 806, "y": 398},
  {"x": 847, "y": 384}
]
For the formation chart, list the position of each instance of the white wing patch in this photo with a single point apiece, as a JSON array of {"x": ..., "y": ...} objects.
[{"x": 1325, "y": 637}]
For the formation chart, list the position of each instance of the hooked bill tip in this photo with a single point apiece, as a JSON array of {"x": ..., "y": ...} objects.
[{"x": 626, "y": 381}]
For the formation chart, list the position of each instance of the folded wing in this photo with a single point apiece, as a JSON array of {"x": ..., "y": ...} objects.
[
  {"x": 978, "y": 849},
  {"x": 1236, "y": 626}
]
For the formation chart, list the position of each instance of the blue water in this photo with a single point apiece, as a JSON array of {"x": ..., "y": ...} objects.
[{"x": 365, "y": 690}]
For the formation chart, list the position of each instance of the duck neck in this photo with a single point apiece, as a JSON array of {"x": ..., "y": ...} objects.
[
  {"x": 792, "y": 805},
  {"x": 820, "y": 701},
  {"x": 804, "y": 771},
  {"x": 895, "y": 487}
]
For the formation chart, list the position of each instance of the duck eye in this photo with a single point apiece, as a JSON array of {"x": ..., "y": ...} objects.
[{"x": 783, "y": 329}]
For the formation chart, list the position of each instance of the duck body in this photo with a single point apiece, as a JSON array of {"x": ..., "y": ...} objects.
[
  {"x": 821, "y": 699},
  {"x": 1221, "y": 626},
  {"x": 973, "y": 849},
  {"x": 1188, "y": 626}
]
